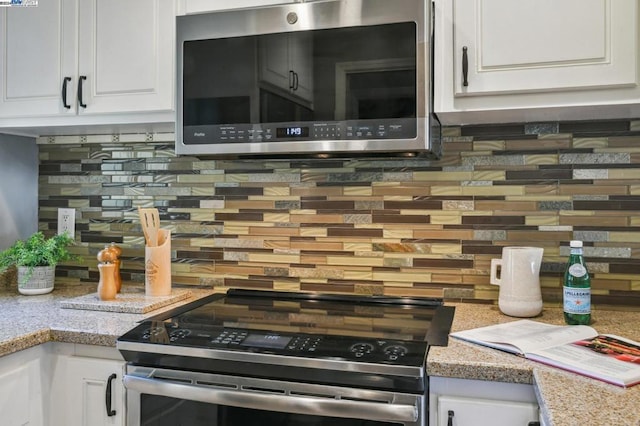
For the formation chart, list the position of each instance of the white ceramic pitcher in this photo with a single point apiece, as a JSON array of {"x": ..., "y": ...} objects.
[{"x": 517, "y": 274}]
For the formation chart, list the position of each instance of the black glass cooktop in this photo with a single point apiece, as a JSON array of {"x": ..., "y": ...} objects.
[{"x": 369, "y": 329}]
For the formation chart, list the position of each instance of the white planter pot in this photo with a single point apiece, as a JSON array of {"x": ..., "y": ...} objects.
[{"x": 41, "y": 280}]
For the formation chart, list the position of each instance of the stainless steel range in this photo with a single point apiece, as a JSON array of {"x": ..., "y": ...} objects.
[{"x": 277, "y": 358}]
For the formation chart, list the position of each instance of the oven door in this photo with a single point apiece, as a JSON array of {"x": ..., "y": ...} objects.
[{"x": 171, "y": 397}]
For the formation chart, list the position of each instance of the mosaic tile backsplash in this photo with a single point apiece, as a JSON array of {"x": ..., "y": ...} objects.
[{"x": 392, "y": 226}]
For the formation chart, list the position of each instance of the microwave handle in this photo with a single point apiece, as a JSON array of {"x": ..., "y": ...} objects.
[{"x": 285, "y": 403}]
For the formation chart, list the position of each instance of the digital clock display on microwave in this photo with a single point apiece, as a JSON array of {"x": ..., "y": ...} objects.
[{"x": 292, "y": 132}]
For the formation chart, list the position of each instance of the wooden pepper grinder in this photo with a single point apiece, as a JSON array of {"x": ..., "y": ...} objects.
[
  {"x": 117, "y": 251},
  {"x": 107, "y": 284}
]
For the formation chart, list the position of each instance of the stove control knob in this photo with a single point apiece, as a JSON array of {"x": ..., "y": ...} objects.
[
  {"x": 361, "y": 349},
  {"x": 394, "y": 352}
]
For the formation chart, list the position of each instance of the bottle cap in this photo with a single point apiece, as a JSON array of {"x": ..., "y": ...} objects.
[{"x": 575, "y": 243}]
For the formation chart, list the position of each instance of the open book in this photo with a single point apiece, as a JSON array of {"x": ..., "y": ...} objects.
[{"x": 577, "y": 348}]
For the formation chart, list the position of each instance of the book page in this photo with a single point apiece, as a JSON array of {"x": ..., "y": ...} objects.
[
  {"x": 607, "y": 357},
  {"x": 524, "y": 336}
]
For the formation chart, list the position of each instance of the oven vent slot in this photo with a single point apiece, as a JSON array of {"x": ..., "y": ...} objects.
[
  {"x": 263, "y": 390},
  {"x": 173, "y": 379},
  {"x": 216, "y": 384},
  {"x": 312, "y": 395},
  {"x": 378, "y": 400}
]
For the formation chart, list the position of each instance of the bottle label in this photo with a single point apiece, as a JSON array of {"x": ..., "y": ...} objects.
[
  {"x": 577, "y": 300},
  {"x": 577, "y": 270}
]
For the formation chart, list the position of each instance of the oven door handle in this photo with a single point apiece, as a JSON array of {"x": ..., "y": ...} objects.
[{"x": 274, "y": 402}]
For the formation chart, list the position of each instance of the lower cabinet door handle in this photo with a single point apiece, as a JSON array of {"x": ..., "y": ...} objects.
[
  {"x": 110, "y": 411},
  {"x": 450, "y": 415}
]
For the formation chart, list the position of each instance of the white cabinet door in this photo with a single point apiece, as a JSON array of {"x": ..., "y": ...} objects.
[
  {"x": 531, "y": 60},
  {"x": 20, "y": 394},
  {"x": 286, "y": 63},
  {"x": 458, "y": 411},
  {"x": 88, "y": 380},
  {"x": 540, "y": 45},
  {"x": 22, "y": 388},
  {"x": 197, "y": 6},
  {"x": 480, "y": 402},
  {"x": 126, "y": 54},
  {"x": 38, "y": 53}
]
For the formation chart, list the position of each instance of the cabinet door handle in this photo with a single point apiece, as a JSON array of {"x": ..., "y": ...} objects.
[
  {"x": 80, "y": 101},
  {"x": 110, "y": 411},
  {"x": 450, "y": 415},
  {"x": 295, "y": 81},
  {"x": 465, "y": 66},
  {"x": 64, "y": 92}
]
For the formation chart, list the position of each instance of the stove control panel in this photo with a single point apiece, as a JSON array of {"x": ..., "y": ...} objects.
[{"x": 304, "y": 345}]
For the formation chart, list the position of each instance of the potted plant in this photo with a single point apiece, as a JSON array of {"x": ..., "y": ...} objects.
[{"x": 36, "y": 259}]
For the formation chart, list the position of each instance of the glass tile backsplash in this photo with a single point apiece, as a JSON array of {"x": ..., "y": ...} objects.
[{"x": 398, "y": 227}]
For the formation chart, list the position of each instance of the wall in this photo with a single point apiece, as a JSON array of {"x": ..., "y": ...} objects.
[
  {"x": 410, "y": 227},
  {"x": 18, "y": 188}
]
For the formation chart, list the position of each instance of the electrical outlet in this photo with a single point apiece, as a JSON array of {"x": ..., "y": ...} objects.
[{"x": 67, "y": 222}]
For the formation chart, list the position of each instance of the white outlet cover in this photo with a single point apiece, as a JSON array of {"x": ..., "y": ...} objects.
[{"x": 67, "y": 222}]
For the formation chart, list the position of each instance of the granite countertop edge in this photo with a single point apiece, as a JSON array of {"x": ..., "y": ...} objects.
[{"x": 44, "y": 319}]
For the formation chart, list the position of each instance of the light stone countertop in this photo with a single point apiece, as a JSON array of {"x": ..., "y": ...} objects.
[
  {"x": 32, "y": 320},
  {"x": 565, "y": 399}
]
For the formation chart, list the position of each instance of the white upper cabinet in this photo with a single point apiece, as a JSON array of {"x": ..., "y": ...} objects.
[
  {"x": 505, "y": 55},
  {"x": 88, "y": 57},
  {"x": 38, "y": 53},
  {"x": 186, "y": 7},
  {"x": 126, "y": 51},
  {"x": 538, "y": 45}
]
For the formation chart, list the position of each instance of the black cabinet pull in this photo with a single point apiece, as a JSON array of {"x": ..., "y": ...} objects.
[
  {"x": 533, "y": 424},
  {"x": 295, "y": 81},
  {"x": 80, "y": 80},
  {"x": 110, "y": 412},
  {"x": 450, "y": 418},
  {"x": 465, "y": 66},
  {"x": 64, "y": 92}
]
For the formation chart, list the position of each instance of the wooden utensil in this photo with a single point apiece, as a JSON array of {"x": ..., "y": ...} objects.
[{"x": 150, "y": 222}]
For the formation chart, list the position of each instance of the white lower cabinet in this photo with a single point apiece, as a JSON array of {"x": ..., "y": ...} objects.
[
  {"x": 461, "y": 402},
  {"x": 22, "y": 395},
  {"x": 84, "y": 378},
  {"x": 458, "y": 411}
]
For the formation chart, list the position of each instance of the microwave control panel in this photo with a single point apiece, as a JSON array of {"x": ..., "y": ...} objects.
[{"x": 404, "y": 128}]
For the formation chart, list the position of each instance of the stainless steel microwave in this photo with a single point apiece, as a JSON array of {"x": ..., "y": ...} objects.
[{"x": 321, "y": 79}]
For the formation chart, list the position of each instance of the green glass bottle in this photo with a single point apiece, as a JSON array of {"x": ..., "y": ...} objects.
[{"x": 577, "y": 288}]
